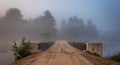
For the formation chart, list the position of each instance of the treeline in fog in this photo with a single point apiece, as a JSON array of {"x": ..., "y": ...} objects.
[
  {"x": 43, "y": 28},
  {"x": 75, "y": 29}
]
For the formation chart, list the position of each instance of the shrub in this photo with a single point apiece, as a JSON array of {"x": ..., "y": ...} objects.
[
  {"x": 115, "y": 57},
  {"x": 22, "y": 50}
]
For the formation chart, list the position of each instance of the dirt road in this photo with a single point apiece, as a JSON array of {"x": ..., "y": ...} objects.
[{"x": 61, "y": 54}]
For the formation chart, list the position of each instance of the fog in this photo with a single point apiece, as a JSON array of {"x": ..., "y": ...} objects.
[
  {"x": 75, "y": 29},
  {"x": 44, "y": 28},
  {"x": 14, "y": 27},
  {"x": 82, "y": 21}
]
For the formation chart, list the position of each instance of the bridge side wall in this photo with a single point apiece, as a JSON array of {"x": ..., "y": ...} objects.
[
  {"x": 34, "y": 47},
  {"x": 38, "y": 47},
  {"x": 94, "y": 48},
  {"x": 80, "y": 46}
]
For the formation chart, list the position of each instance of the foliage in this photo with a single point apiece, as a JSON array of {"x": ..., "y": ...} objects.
[
  {"x": 14, "y": 13},
  {"x": 45, "y": 26},
  {"x": 75, "y": 29},
  {"x": 115, "y": 57},
  {"x": 22, "y": 50}
]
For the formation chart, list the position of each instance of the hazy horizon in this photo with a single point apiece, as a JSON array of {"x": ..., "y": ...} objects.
[{"x": 104, "y": 15}]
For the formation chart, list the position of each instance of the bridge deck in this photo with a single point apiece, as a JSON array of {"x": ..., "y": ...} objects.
[{"x": 61, "y": 53}]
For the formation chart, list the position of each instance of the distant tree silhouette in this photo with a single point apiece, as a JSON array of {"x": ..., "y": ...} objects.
[
  {"x": 91, "y": 30},
  {"x": 45, "y": 26},
  {"x": 76, "y": 30},
  {"x": 13, "y": 22},
  {"x": 13, "y": 13},
  {"x": 72, "y": 29}
]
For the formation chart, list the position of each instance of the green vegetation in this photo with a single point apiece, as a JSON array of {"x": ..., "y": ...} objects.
[
  {"x": 95, "y": 54},
  {"x": 115, "y": 57},
  {"x": 22, "y": 50}
]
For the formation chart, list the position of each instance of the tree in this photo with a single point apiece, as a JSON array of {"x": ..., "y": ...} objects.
[
  {"x": 62, "y": 31},
  {"x": 76, "y": 30},
  {"x": 91, "y": 30},
  {"x": 14, "y": 13},
  {"x": 13, "y": 22},
  {"x": 22, "y": 50},
  {"x": 50, "y": 23},
  {"x": 12, "y": 26},
  {"x": 45, "y": 26}
]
